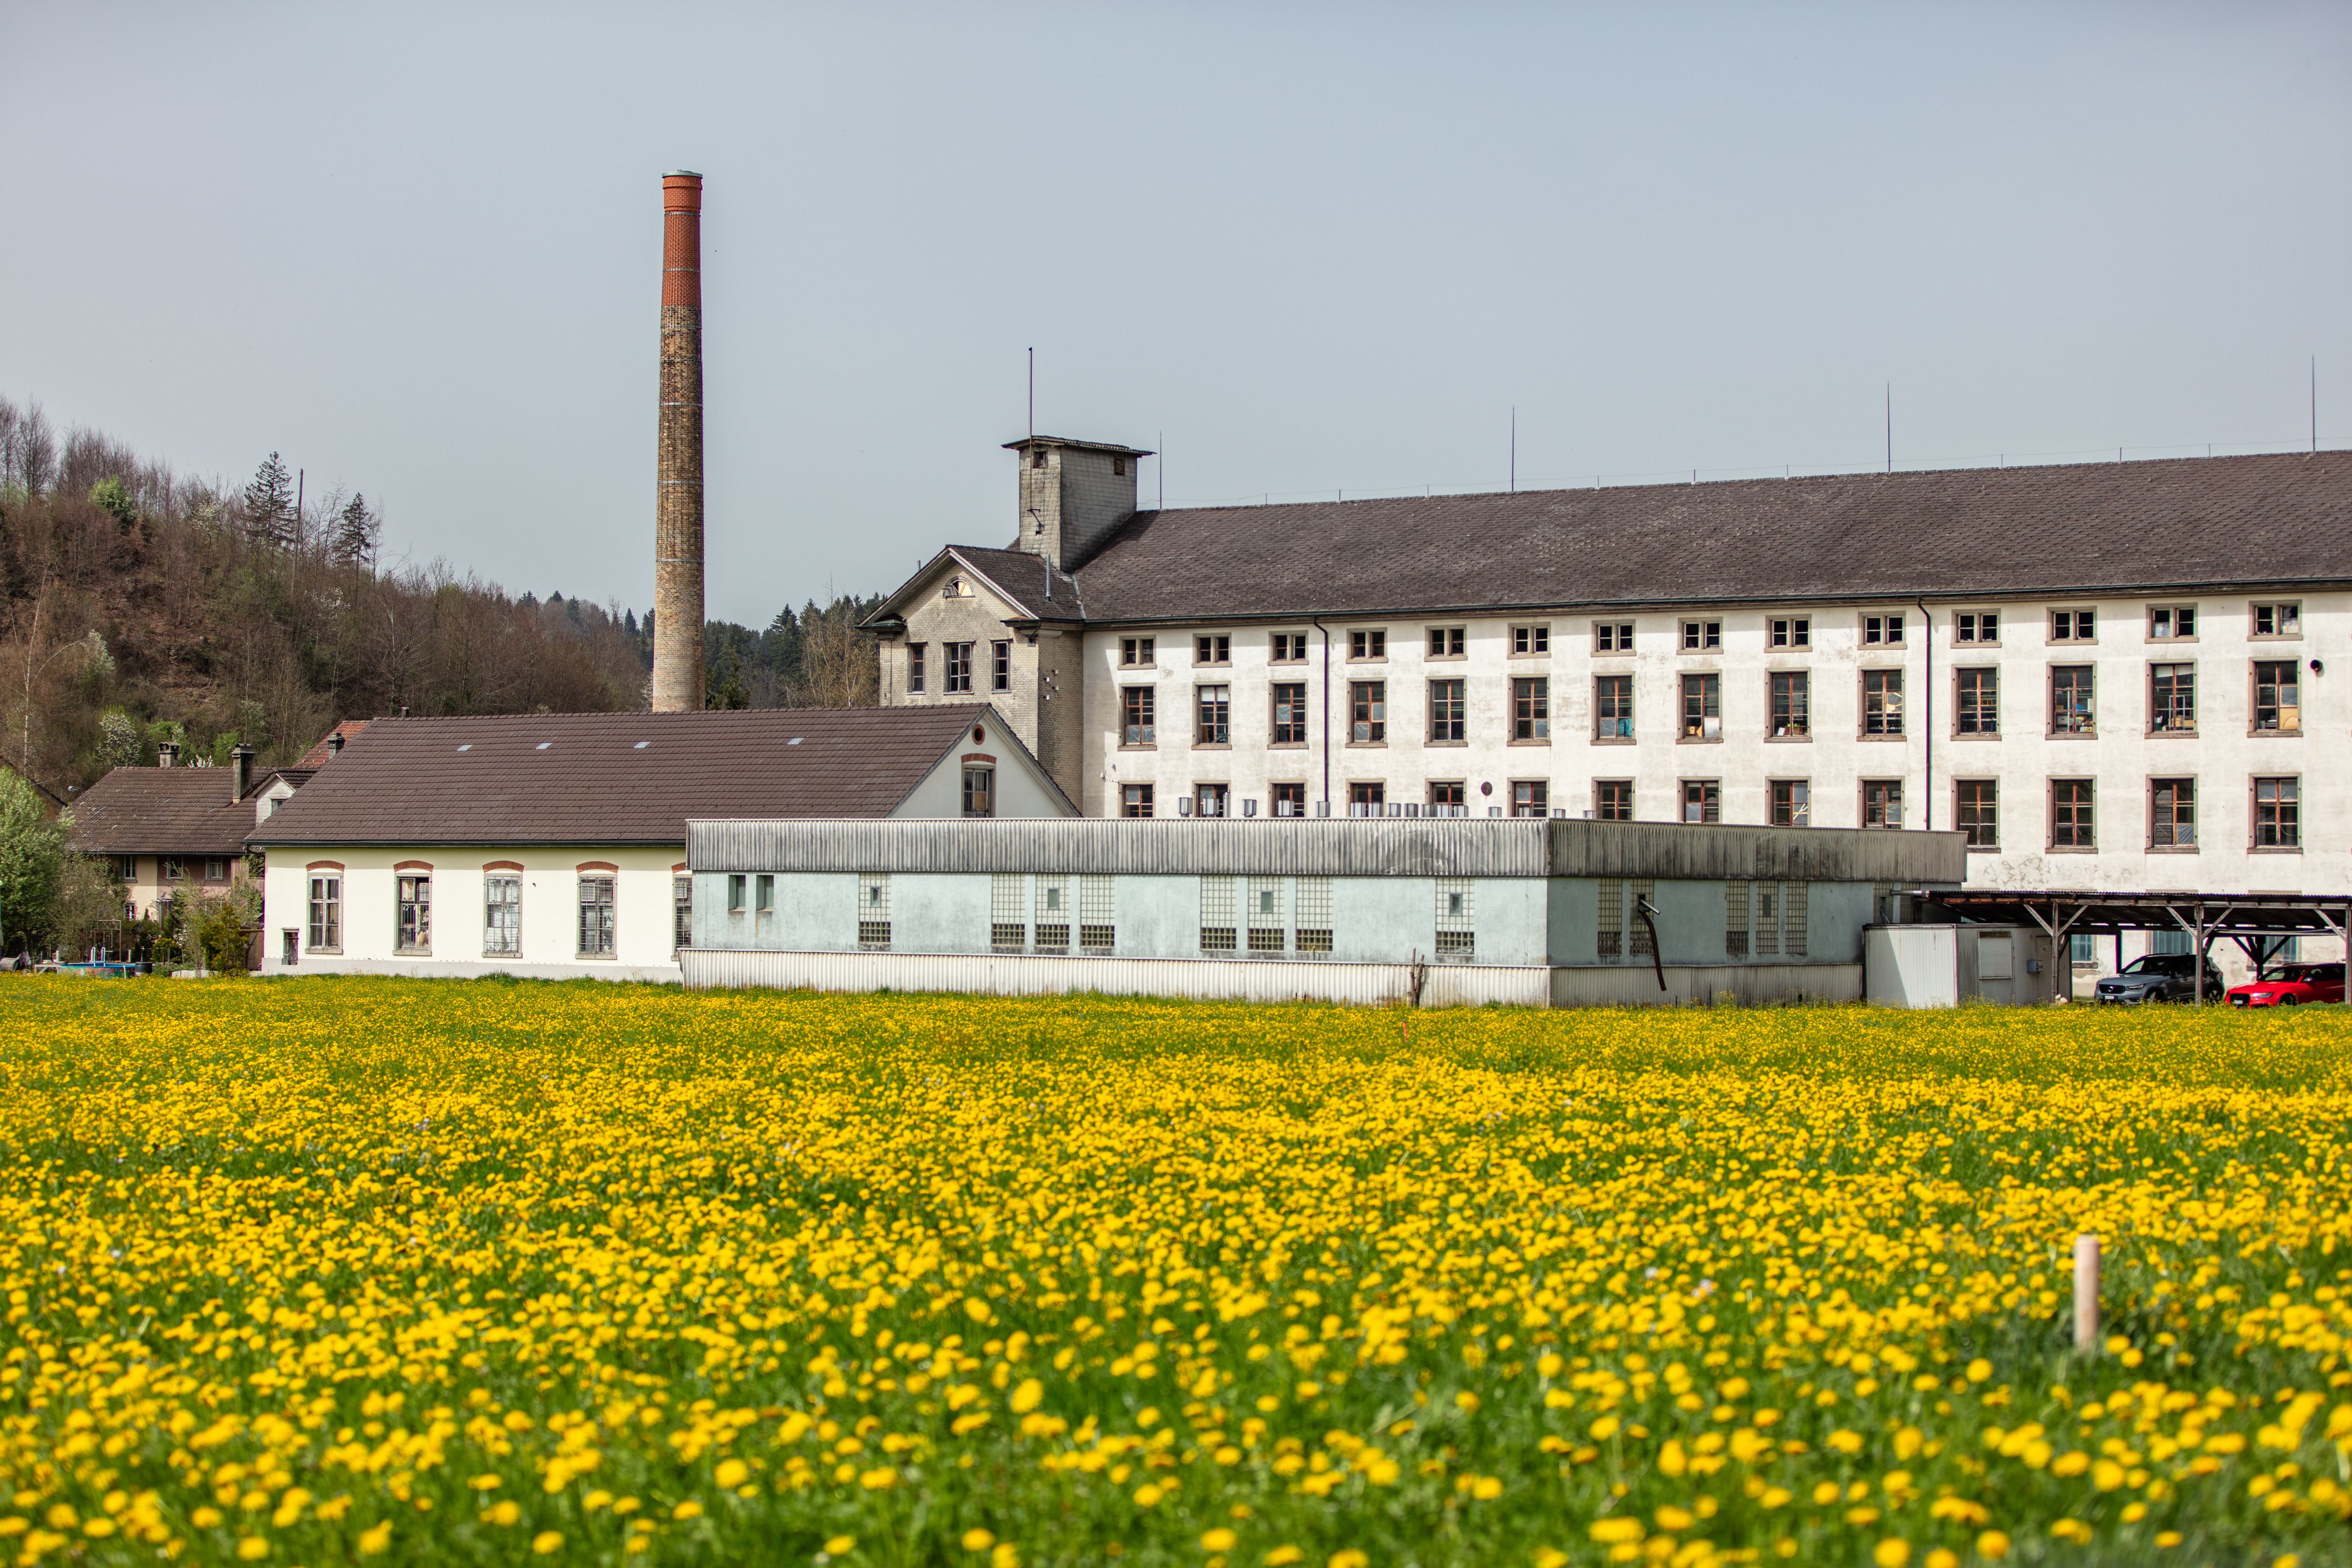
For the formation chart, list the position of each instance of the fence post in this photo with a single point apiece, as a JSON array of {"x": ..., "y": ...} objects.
[{"x": 2086, "y": 1295}]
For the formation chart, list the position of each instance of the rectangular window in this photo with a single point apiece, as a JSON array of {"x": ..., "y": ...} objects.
[
  {"x": 1702, "y": 636},
  {"x": 1794, "y": 898},
  {"x": 1217, "y": 927},
  {"x": 1882, "y": 631},
  {"x": 738, "y": 889},
  {"x": 2172, "y": 699},
  {"x": 958, "y": 666},
  {"x": 1448, "y": 711},
  {"x": 681, "y": 908},
  {"x": 1882, "y": 702},
  {"x": 1213, "y": 648},
  {"x": 1977, "y": 627},
  {"x": 1288, "y": 799},
  {"x": 979, "y": 791},
  {"x": 1530, "y": 639},
  {"x": 1609, "y": 921},
  {"x": 1367, "y": 645},
  {"x": 126, "y": 867},
  {"x": 1765, "y": 935},
  {"x": 1882, "y": 803},
  {"x": 1008, "y": 912},
  {"x": 1977, "y": 804},
  {"x": 764, "y": 897},
  {"x": 2278, "y": 814},
  {"x": 1458, "y": 928},
  {"x": 1135, "y": 800},
  {"x": 1448, "y": 642},
  {"x": 1265, "y": 929},
  {"x": 1703, "y": 707},
  {"x": 1612, "y": 707},
  {"x": 874, "y": 911},
  {"x": 1097, "y": 914},
  {"x": 1532, "y": 708},
  {"x": 1613, "y": 637},
  {"x": 1136, "y": 728},
  {"x": 1735, "y": 919},
  {"x": 1368, "y": 798},
  {"x": 2278, "y": 620},
  {"x": 1052, "y": 914},
  {"x": 1289, "y": 712},
  {"x": 915, "y": 659},
  {"x": 2171, "y": 623},
  {"x": 1210, "y": 800},
  {"x": 2072, "y": 710},
  {"x": 2278, "y": 697},
  {"x": 2172, "y": 814},
  {"x": 1289, "y": 647},
  {"x": 1368, "y": 712},
  {"x": 1212, "y": 715},
  {"x": 1702, "y": 800},
  {"x": 596, "y": 916},
  {"x": 1530, "y": 797},
  {"x": 1000, "y": 666},
  {"x": 174, "y": 869},
  {"x": 326, "y": 913},
  {"x": 1314, "y": 917},
  {"x": 1612, "y": 800},
  {"x": 1977, "y": 711},
  {"x": 217, "y": 868},
  {"x": 2073, "y": 823},
  {"x": 501, "y": 915},
  {"x": 1448, "y": 797},
  {"x": 1134, "y": 652},
  {"x": 1792, "y": 802},
  {"x": 2073, "y": 626},
  {"x": 1796, "y": 632},
  {"x": 1792, "y": 704},
  {"x": 412, "y": 896}
]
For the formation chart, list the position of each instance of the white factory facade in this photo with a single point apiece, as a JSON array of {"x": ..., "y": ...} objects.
[{"x": 2123, "y": 676}]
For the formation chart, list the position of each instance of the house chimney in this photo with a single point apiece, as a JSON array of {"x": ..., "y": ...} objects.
[
  {"x": 677, "y": 504},
  {"x": 167, "y": 754},
  {"x": 240, "y": 769},
  {"x": 335, "y": 743}
]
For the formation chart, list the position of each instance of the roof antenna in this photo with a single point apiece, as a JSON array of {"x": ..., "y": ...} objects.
[
  {"x": 1890, "y": 427},
  {"x": 2314, "y": 406},
  {"x": 1515, "y": 448},
  {"x": 1032, "y": 396},
  {"x": 1159, "y": 467}
]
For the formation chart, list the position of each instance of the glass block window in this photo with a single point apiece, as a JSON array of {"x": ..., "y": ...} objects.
[
  {"x": 1217, "y": 923},
  {"x": 1265, "y": 929},
  {"x": 1735, "y": 919},
  {"x": 1793, "y": 906},
  {"x": 1609, "y": 926},
  {"x": 1457, "y": 927},
  {"x": 1052, "y": 914},
  {"x": 874, "y": 910},
  {"x": 1008, "y": 912},
  {"x": 1097, "y": 914},
  {"x": 1764, "y": 935},
  {"x": 1314, "y": 916}
]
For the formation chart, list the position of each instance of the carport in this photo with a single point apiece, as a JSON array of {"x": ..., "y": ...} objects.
[{"x": 2259, "y": 923}]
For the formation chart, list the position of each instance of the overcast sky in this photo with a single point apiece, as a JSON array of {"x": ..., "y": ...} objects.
[{"x": 1310, "y": 248}]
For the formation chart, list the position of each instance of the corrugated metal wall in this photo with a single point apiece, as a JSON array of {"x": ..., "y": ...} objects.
[{"x": 1260, "y": 980}]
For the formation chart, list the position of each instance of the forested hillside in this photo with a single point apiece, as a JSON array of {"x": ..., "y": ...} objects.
[{"x": 138, "y": 604}]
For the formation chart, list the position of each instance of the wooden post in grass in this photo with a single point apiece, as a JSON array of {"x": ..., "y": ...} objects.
[{"x": 2086, "y": 1295}]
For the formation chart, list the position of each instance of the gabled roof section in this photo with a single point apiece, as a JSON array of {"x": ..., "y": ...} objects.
[
  {"x": 2173, "y": 525},
  {"x": 316, "y": 757},
  {"x": 616, "y": 778},
  {"x": 1036, "y": 588},
  {"x": 162, "y": 811}
]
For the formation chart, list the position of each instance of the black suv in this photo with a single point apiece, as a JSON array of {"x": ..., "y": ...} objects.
[{"x": 2161, "y": 977}]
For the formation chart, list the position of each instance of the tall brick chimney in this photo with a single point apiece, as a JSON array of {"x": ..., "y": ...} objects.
[{"x": 677, "y": 505}]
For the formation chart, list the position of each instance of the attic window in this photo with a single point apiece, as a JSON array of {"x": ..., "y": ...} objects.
[
  {"x": 953, "y": 589},
  {"x": 641, "y": 745}
]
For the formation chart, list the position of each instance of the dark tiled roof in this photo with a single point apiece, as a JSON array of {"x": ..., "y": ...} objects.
[
  {"x": 316, "y": 757},
  {"x": 2176, "y": 524},
  {"x": 615, "y": 778},
  {"x": 162, "y": 811},
  {"x": 1035, "y": 590}
]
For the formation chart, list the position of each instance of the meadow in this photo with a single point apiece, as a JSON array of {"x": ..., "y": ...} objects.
[{"x": 318, "y": 1271}]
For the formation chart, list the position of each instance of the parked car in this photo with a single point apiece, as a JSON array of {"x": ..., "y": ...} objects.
[
  {"x": 2161, "y": 977},
  {"x": 2296, "y": 982}
]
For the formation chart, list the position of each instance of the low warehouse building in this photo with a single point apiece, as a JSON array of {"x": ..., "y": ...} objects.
[{"x": 1440, "y": 910}]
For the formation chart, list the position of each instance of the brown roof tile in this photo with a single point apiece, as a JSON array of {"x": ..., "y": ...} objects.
[
  {"x": 2190, "y": 523},
  {"x": 316, "y": 757},
  {"x": 162, "y": 811},
  {"x": 614, "y": 778}
]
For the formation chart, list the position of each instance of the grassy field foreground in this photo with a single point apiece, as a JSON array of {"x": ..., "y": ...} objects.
[{"x": 317, "y": 1271}]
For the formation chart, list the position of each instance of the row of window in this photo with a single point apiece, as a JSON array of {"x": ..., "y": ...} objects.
[
  {"x": 1973, "y": 628},
  {"x": 178, "y": 868},
  {"x": 596, "y": 906},
  {"x": 2275, "y": 706},
  {"x": 957, "y": 670},
  {"x": 2274, "y": 817}
]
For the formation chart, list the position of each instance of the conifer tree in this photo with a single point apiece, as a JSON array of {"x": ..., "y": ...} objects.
[
  {"x": 270, "y": 504},
  {"x": 356, "y": 529}
]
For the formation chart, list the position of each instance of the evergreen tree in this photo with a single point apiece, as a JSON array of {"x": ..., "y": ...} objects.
[
  {"x": 356, "y": 529},
  {"x": 270, "y": 504}
]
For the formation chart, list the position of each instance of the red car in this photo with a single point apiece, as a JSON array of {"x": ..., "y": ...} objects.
[{"x": 2295, "y": 983}]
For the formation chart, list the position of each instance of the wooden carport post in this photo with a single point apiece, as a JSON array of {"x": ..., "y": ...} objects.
[
  {"x": 2344, "y": 931},
  {"x": 2058, "y": 955}
]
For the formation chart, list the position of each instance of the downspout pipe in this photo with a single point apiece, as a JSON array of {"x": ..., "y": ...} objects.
[
  {"x": 1928, "y": 633},
  {"x": 1319, "y": 627}
]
